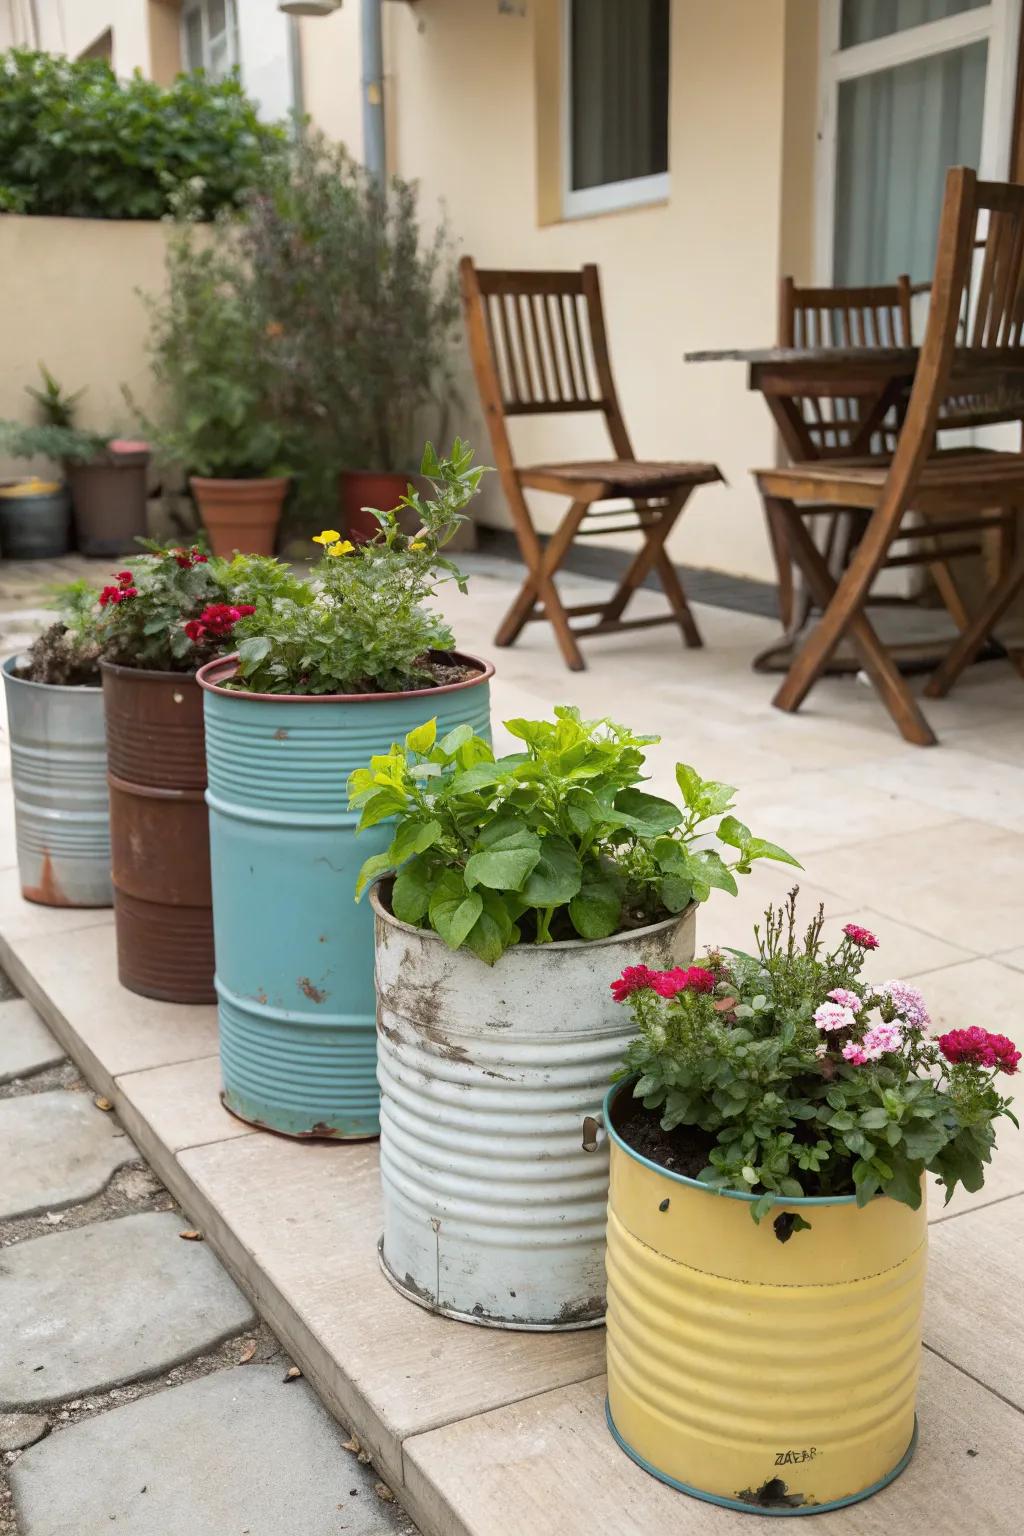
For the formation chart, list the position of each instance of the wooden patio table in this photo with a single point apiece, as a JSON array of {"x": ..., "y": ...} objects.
[{"x": 881, "y": 378}]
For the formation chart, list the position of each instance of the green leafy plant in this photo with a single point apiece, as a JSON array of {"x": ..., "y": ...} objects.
[
  {"x": 799, "y": 1078},
  {"x": 554, "y": 842},
  {"x": 363, "y": 628},
  {"x": 56, "y": 408},
  {"x": 364, "y": 302},
  {"x": 68, "y": 445},
  {"x": 67, "y": 653},
  {"x": 176, "y": 608},
  {"x": 76, "y": 141},
  {"x": 225, "y": 395}
]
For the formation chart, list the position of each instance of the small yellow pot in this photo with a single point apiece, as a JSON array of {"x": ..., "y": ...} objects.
[{"x": 772, "y": 1377}]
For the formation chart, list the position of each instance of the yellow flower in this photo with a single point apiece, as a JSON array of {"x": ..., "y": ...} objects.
[
  {"x": 417, "y": 544},
  {"x": 344, "y": 548},
  {"x": 329, "y": 536}
]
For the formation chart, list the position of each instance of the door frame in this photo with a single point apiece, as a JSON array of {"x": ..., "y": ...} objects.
[{"x": 998, "y": 23}]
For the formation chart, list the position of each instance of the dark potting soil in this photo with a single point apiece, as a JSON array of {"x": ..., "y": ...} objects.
[
  {"x": 445, "y": 669},
  {"x": 56, "y": 658},
  {"x": 685, "y": 1150}
]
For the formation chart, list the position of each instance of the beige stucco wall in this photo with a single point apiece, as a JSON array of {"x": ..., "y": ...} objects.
[
  {"x": 144, "y": 33},
  {"x": 472, "y": 97},
  {"x": 69, "y": 300}
]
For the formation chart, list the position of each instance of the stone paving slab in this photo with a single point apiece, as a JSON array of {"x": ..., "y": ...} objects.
[
  {"x": 972, "y": 1310},
  {"x": 239, "y": 1450},
  {"x": 56, "y": 1149},
  {"x": 298, "y": 1224},
  {"x": 549, "y": 1467},
  {"x": 26, "y": 1045},
  {"x": 181, "y": 1103},
  {"x": 113, "y": 1031},
  {"x": 88, "y": 1309},
  {"x": 27, "y": 919}
]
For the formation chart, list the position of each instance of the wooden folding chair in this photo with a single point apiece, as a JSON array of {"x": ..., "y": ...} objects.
[
  {"x": 834, "y": 428},
  {"x": 953, "y": 489},
  {"x": 539, "y": 346}
]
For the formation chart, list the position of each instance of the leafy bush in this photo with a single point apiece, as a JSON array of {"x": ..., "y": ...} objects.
[
  {"x": 800, "y": 1078},
  {"x": 554, "y": 842},
  {"x": 78, "y": 142},
  {"x": 366, "y": 630},
  {"x": 225, "y": 394},
  {"x": 176, "y": 609},
  {"x": 364, "y": 301},
  {"x": 72, "y": 445}
]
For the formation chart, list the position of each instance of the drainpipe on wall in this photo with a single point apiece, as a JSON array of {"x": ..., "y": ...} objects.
[
  {"x": 374, "y": 147},
  {"x": 295, "y": 71}
]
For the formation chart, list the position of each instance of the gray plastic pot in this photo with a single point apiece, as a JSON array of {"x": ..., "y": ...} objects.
[{"x": 35, "y": 525}]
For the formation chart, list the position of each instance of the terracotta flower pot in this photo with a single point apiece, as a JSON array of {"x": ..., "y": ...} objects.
[
  {"x": 240, "y": 514},
  {"x": 359, "y": 488},
  {"x": 159, "y": 833}
]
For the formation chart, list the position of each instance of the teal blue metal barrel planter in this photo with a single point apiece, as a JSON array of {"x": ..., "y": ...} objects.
[{"x": 294, "y": 952}]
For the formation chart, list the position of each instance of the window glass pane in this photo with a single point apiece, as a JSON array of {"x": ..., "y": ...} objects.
[
  {"x": 219, "y": 62},
  {"x": 217, "y": 12},
  {"x": 619, "y": 75},
  {"x": 899, "y": 131},
  {"x": 193, "y": 40},
  {"x": 864, "y": 20}
]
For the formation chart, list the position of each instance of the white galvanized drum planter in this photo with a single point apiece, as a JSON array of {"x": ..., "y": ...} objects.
[
  {"x": 59, "y": 778},
  {"x": 494, "y": 1212}
]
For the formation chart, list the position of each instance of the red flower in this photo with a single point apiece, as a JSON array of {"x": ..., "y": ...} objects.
[
  {"x": 671, "y": 983},
  {"x": 124, "y": 578},
  {"x": 189, "y": 557},
  {"x": 980, "y": 1048},
  {"x": 633, "y": 979},
  {"x": 860, "y": 936},
  {"x": 116, "y": 594},
  {"x": 217, "y": 620}
]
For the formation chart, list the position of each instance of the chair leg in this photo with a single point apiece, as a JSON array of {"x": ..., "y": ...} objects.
[
  {"x": 879, "y": 665},
  {"x": 783, "y": 567},
  {"x": 964, "y": 650},
  {"x": 652, "y": 555},
  {"x": 539, "y": 587}
]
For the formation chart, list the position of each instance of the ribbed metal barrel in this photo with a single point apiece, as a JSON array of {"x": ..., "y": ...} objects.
[
  {"x": 767, "y": 1376},
  {"x": 59, "y": 779},
  {"x": 159, "y": 834},
  {"x": 493, "y": 1211},
  {"x": 294, "y": 950}
]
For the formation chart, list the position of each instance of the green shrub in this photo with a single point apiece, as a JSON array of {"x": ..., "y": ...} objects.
[{"x": 76, "y": 141}]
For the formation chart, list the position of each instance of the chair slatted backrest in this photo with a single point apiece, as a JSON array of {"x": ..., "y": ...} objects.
[
  {"x": 876, "y": 316},
  {"x": 539, "y": 347}
]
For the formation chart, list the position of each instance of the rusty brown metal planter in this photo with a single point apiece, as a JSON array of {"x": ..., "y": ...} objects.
[{"x": 159, "y": 833}]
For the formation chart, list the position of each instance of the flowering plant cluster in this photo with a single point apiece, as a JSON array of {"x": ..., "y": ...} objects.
[
  {"x": 365, "y": 627},
  {"x": 800, "y": 1078},
  {"x": 554, "y": 842},
  {"x": 176, "y": 608}
]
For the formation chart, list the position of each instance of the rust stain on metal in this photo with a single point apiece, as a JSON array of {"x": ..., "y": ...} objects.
[
  {"x": 772, "y": 1494},
  {"x": 314, "y": 993},
  {"x": 581, "y": 1311},
  {"x": 47, "y": 893},
  {"x": 281, "y": 734},
  {"x": 321, "y": 1128}
]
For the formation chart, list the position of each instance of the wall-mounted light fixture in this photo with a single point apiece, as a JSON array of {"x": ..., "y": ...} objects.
[{"x": 308, "y": 7}]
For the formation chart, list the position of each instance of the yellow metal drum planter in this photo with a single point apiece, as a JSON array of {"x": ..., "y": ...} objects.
[
  {"x": 494, "y": 1209},
  {"x": 772, "y": 1376}
]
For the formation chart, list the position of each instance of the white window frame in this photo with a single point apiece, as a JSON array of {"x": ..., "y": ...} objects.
[
  {"x": 189, "y": 8},
  {"x": 998, "y": 23},
  {"x": 610, "y": 196}
]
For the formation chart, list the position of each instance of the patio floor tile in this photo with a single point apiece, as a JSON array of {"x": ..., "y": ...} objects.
[{"x": 972, "y": 1312}]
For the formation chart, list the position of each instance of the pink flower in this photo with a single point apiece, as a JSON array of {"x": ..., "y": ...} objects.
[
  {"x": 635, "y": 978},
  {"x": 854, "y": 1054},
  {"x": 831, "y": 1016},
  {"x": 880, "y": 1039},
  {"x": 860, "y": 936},
  {"x": 980, "y": 1048},
  {"x": 907, "y": 1002},
  {"x": 845, "y": 998}
]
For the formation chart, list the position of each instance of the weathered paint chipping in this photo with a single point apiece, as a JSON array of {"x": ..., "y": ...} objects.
[
  {"x": 493, "y": 1210},
  {"x": 59, "y": 780},
  {"x": 732, "y": 1355}
]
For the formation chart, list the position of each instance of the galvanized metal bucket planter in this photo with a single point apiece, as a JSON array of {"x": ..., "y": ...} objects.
[
  {"x": 494, "y": 1211},
  {"x": 294, "y": 951},
  {"x": 59, "y": 778},
  {"x": 159, "y": 833},
  {"x": 772, "y": 1376}
]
